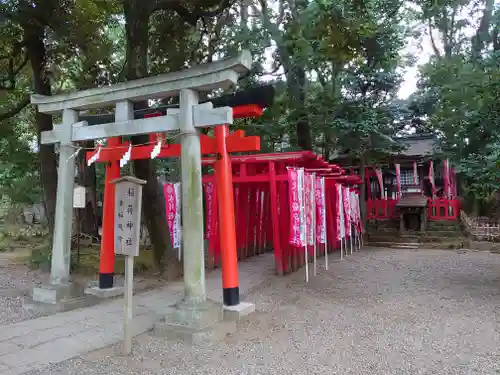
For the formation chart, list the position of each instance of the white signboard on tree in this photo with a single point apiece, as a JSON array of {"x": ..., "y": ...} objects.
[{"x": 128, "y": 195}]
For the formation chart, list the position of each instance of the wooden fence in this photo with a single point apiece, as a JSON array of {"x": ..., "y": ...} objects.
[{"x": 480, "y": 228}]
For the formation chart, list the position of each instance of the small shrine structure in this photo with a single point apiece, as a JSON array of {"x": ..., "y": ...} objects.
[{"x": 413, "y": 186}]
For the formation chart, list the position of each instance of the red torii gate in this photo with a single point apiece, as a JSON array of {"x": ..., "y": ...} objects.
[
  {"x": 267, "y": 173},
  {"x": 222, "y": 144}
]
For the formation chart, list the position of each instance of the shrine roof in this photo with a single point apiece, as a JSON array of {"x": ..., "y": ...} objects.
[
  {"x": 418, "y": 145},
  {"x": 412, "y": 200},
  {"x": 349, "y": 179},
  {"x": 306, "y": 159},
  {"x": 415, "y": 147}
]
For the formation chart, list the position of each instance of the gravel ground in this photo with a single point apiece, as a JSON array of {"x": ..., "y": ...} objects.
[
  {"x": 16, "y": 282},
  {"x": 378, "y": 312}
]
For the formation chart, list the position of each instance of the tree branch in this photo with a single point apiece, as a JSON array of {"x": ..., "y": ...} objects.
[
  {"x": 9, "y": 82},
  {"x": 433, "y": 43},
  {"x": 200, "y": 10},
  {"x": 16, "y": 71},
  {"x": 18, "y": 108},
  {"x": 203, "y": 33}
]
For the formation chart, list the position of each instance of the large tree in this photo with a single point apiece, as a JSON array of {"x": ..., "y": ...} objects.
[
  {"x": 458, "y": 88},
  {"x": 137, "y": 35},
  {"x": 39, "y": 33}
]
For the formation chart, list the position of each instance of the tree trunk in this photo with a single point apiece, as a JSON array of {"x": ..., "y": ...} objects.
[
  {"x": 35, "y": 47},
  {"x": 153, "y": 202},
  {"x": 482, "y": 35},
  {"x": 86, "y": 177},
  {"x": 296, "y": 81}
]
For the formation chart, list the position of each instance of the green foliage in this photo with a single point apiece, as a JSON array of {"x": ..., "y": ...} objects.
[
  {"x": 467, "y": 114},
  {"x": 40, "y": 258},
  {"x": 336, "y": 65},
  {"x": 361, "y": 43},
  {"x": 19, "y": 177},
  {"x": 459, "y": 89}
]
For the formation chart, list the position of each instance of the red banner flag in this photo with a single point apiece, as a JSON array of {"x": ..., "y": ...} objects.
[
  {"x": 446, "y": 178},
  {"x": 209, "y": 196},
  {"x": 380, "y": 179},
  {"x": 431, "y": 177},
  {"x": 172, "y": 209},
  {"x": 297, "y": 220},
  {"x": 309, "y": 207},
  {"x": 320, "y": 209}
]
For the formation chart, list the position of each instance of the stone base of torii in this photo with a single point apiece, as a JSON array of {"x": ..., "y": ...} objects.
[{"x": 195, "y": 314}]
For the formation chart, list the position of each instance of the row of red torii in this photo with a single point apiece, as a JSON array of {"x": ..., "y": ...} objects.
[{"x": 265, "y": 193}]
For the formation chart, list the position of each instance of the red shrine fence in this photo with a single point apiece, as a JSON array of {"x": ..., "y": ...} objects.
[{"x": 437, "y": 209}]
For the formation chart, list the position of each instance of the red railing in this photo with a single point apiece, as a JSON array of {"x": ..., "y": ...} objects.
[
  {"x": 381, "y": 209},
  {"x": 438, "y": 209},
  {"x": 443, "y": 209}
]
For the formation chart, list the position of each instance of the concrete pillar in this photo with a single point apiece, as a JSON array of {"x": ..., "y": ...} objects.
[
  {"x": 61, "y": 247},
  {"x": 59, "y": 294},
  {"x": 192, "y": 201}
]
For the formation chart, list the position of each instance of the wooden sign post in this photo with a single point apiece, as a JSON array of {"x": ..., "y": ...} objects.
[{"x": 128, "y": 199}]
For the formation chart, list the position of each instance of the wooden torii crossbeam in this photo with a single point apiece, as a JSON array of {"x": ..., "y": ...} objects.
[{"x": 222, "y": 144}]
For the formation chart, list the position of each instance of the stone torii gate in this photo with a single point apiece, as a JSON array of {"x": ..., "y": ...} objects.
[{"x": 190, "y": 116}]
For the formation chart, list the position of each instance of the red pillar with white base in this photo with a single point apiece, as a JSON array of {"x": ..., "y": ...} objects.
[
  {"x": 229, "y": 255},
  {"x": 107, "y": 259}
]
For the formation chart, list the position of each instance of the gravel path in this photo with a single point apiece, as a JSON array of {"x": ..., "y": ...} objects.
[{"x": 378, "y": 312}]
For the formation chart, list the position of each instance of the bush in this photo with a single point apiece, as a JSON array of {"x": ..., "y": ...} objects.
[{"x": 41, "y": 257}]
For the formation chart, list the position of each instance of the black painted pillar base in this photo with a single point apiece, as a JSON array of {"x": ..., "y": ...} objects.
[
  {"x": 231, "y": 296},
  {"x": 106, "y": 280}
]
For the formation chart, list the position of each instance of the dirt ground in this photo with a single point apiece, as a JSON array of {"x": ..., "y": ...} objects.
[{"x": 377, "y": 312}]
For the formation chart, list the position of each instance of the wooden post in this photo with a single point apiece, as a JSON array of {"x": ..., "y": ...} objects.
[
  {"x": 127, "y": 234},
  {"x": 107, "y": 258},
  {"x": 278, "y": 253}
]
